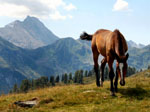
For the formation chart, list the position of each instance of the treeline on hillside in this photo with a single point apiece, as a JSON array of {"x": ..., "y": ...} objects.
[
  {"x": 148, "y": 67},
  {"x": 44, "y": 81},
  {"x": 76, "y": 78}
]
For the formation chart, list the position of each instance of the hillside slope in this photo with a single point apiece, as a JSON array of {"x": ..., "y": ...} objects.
[
  {"x": 65, "y": 55},
  {"x": 139, "y": 58},
  {"x": 133, "y": 97},
  {"x": 16, "y": 64}
]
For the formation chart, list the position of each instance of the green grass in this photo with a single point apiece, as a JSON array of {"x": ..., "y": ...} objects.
[{"x": 134, "y": 97}]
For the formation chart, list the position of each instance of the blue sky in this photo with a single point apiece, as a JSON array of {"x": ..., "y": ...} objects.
[{"x": 69, "y": 18}]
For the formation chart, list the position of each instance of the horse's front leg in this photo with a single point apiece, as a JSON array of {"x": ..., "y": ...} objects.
[
  {"x": 116, "y": 78},
  {"x": 111, "y": 76},
  {"x": 116, "y": 81},
  {"x": 103, "y": 63}
]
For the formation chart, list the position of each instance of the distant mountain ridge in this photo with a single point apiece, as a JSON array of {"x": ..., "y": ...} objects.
[
  {"x": 30, "y": 33},
  {"x": 139, "y": 57},
  {"x": 133, "y": 44},
  {"x": 130, "y": 43}
]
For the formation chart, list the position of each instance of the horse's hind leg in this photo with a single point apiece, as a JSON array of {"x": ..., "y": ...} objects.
[
  {"x": 111, "y": 75},
  {"x": 96, "y": 66},
  {"x": 116, "y": 78},
  {"x": 103, "y": 63}
]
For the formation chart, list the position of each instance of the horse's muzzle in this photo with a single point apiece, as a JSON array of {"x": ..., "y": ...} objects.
[{"x": 122, "y": 82}]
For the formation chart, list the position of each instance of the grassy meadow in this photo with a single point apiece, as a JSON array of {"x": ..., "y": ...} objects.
[{"x": 133, "y": 97}]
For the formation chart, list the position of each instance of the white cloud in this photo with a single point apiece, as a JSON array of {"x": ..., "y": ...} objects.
[
  {"x": 70, "y": 16},
  {"x": 13, "y": 10},
  {"x": 57, "y": 16},
  {"x": 38, "y": 8},
  {"x": 69, "y": 7},
  {"x": 120, "y": 5}
]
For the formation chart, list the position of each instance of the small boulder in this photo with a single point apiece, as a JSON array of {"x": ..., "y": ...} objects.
[{"x": 28, "y": 103}]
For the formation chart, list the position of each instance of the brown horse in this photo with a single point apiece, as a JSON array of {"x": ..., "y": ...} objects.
[{"x": 111, "y": 45}]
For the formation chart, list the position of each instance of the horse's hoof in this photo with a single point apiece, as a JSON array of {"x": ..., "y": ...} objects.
[
  {"x": 116, "y": 90},
  {"x": 98, "y": 84},
  {"x": 101, "y": 83},
  {"x": 122, "y": 83},
  {"x": 112, "y": 94}
]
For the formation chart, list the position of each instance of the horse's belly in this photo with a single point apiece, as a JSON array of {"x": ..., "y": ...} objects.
[{"x": 102, "y": 52}]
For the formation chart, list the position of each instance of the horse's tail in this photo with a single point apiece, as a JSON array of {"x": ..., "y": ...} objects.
[{"x": 85, "y": 36}]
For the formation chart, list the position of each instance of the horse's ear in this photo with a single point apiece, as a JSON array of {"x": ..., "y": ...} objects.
[{"x": 127, "y": 56}]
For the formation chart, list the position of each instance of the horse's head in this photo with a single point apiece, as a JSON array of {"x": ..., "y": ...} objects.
[{"x": 122, "y": 68}]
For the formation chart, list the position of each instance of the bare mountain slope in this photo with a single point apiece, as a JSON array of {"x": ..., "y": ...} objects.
[{"x": 30, "y": 33}]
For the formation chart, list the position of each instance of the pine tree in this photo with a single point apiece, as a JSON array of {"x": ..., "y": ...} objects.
[
  {"x": 86, "y": 73},
  {"x": 80, "y": 80},
  {"x": 37, "y": 84},
  {"x": 10, "y": 91},
  {"x": 70, "y": 77},
  {"x": 15, "y": 89},
  {"x": 130, "y": 71},
  {"x": 76, "y": 77},
  {"x": 32, "y": 84},
  {"x": 57, "y": 79},
  {"x": 90, "y": 73},
  {"x": 65, "y": 78},
  {"x": 25, "y": 85},
  {"x": 148, "y": 66},
  {"x": 62, "y": 78},
  {"x": 43, "y": 81},
  {"x": 52, "y": 80}
]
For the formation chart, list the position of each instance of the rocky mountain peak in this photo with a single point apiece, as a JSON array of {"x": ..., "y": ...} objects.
[{"x": 30, "y": 33}]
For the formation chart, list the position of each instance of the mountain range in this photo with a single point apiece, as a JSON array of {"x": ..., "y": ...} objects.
[
  {"x": 57, "y": 56},
  {"x": 64, "y": 55},
  {"x": 30, "y": 33},
  {"x": 133, "y": 44}
]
